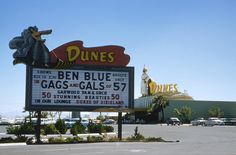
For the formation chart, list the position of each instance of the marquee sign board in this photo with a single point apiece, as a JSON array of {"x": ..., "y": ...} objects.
[
  {"x": 79, "y": 88},
  {"x": 72, "y": 77}
]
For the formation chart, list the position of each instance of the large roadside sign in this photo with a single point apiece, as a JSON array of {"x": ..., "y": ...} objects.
[
  {"x": 72, "y": 77},
  {"x": 80, "y": 88}
]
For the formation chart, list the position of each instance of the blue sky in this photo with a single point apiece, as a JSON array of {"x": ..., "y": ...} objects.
[{"x": 188, "y": 42}]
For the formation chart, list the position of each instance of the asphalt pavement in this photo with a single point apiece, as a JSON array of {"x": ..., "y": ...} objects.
[{"x": 194, "y": 140}]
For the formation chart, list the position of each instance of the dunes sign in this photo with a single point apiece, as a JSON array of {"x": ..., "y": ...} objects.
[{"x": 73, "y": 77}]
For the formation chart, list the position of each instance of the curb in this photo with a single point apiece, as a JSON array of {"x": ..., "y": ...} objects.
[{"x": 12, "y": 144}]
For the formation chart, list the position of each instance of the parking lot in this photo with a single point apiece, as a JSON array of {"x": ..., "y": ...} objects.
[{"x": 195, "y": 140}]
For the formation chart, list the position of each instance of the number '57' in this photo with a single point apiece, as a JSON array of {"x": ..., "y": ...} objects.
[{"x": 119, "y": 86}]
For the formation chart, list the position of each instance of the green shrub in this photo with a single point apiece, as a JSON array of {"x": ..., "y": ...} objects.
[
  {"x": 137, "y": 136},
  {"x": 61, "y": 126},
  {"x": 26, "y": 128},
  {"x": 113, "y": 139},
  {"x": 94, "y": 139},
  {"x": 154, "y": 139},
  {"x": 73, "y": 140},
  {"x": 21, "y": 139},
  {"x": 11, "y": 140},
  {"x": 6, "y": 140},
  {"x": 108, "y": 138},
  {"x": 56, "y": 140},
  {"x": 95, "y": 128},
  {"x": 77, "y": 128},
  {"x": 42, "y": 132},
  {"x": 13, "y": 130},
  {"x": 108, "y": 128},
  {"x": 50, "y": 129}
]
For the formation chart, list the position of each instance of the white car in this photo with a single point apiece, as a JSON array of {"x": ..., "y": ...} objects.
[
  {"x": 19, "y": 120},
  {"x": 85, "y": 122},
  {"x": 214, "y": 121},
  {"x": 198, "y": 121},
  {"x": 5, "y": 121},
  {"x": 69, "y": 122}
]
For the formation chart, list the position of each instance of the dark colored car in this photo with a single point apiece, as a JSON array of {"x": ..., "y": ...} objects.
[
  {"x": 173, "y": 121},
  {"x": 109, "y": 121}
]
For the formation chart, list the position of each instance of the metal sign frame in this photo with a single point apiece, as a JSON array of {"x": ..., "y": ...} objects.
[{"x": 32, "y": 107}]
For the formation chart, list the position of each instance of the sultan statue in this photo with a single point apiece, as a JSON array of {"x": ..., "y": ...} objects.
[{"x": 148, "y": 86}]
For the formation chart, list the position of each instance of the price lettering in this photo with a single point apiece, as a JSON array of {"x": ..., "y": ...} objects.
[
  {"x": 115, "y": 96},
  {"x": 119, "y": 86},
  {"x": 46, "y": 95}
]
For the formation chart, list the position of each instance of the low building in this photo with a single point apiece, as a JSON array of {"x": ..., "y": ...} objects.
[
  {"x": 199, "y": 108},
  {"x": 176, "y": 99}
]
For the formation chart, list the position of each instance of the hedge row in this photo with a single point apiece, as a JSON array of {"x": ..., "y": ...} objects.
[{"x": 59, "y": 128}]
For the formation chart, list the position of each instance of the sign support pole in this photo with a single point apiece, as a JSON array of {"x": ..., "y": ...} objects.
[
  {"x": 37, "y": 132},
  {"x": 120, "y": 125}
]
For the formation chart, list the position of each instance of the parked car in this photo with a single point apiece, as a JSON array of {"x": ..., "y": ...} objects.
[
  {"x": 5, "y": 121},
  {"x": 96, "y": 121},
  {"x": 229, "y": 121},
  {"x": 70, "y": 121},
  {"x": 85, "y": 122},
  {"x": 140, "y": 121},
  {"x": 46, "y": 121},
  {"x": 173, "y": 121},
  {"x": 214, "y": 121},
  {"x": 198, "y": 121},
  {"x": 109, "y": 121},
  {"x": 128, "y": 121},
  {"x": 19, "y": 120}
]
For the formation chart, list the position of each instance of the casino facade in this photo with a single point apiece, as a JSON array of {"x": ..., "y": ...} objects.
[{"x": 176, "y": 100}]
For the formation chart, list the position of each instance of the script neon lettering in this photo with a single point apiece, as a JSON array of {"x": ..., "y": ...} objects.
[
  {"x": 94, "y": 56},
  {"x": 175, "y": 88},
  {"x": 74, "y": 53},
  {"x": 170, "y": 88},
  {"x": 103, "y": 56},
  {"x": 84, "y": 56},
  {"x": 159, "y": 88},
  {"x": 167, "y": 88},
  {"x": 75, "y": 50},
  {"x": 110, "y": 57}
]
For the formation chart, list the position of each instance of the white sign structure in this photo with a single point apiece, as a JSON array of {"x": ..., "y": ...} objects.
[{"x": 73, "y": 89}]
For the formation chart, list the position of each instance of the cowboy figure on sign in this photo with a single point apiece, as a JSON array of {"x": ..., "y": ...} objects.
[{"x": 30, "y": 48}]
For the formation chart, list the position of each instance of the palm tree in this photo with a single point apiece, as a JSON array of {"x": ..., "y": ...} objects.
[
  {"x": 215, "y": 111},
  {"x": 185, "y": 113},
  {"x": 158, "y": 105}
]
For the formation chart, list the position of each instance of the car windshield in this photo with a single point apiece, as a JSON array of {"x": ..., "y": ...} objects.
[{"x": 174, "y": 119}]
